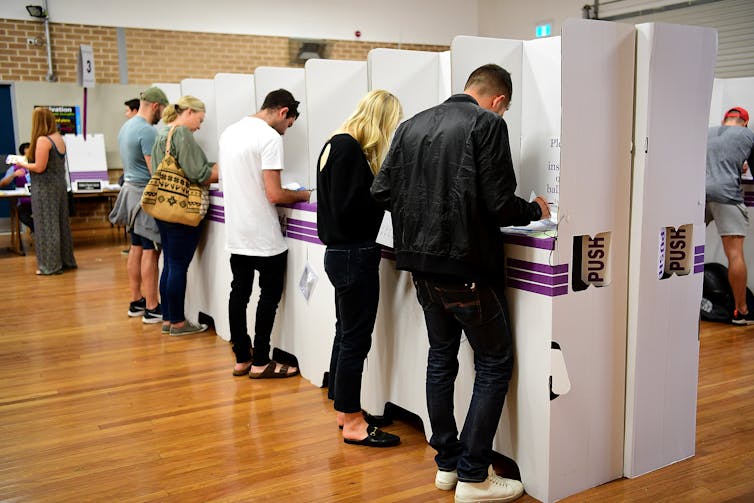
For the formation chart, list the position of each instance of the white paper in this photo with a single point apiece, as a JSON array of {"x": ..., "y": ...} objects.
[
  {"x": 14, "y": 159},
  {"x": 385, "y": 234}
]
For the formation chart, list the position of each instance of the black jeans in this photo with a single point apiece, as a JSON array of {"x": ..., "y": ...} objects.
[
  {"x": 354, "y": 272},
  {"x": 179, "y": 243},
  {"x": 481, "y": 312},
  {"x": 271, "y": 281}
]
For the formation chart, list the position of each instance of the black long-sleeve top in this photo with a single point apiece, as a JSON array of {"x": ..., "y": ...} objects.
[{"x": 346, "y": 212}]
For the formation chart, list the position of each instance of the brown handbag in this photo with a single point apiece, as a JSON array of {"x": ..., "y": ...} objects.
[{"x": 170, "y": 196}]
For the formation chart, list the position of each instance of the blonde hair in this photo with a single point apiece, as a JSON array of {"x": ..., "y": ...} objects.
[
  {"x": 42, "y": 124},
  {"x": 184, "y": 103},
  {"x": 374, "y": 120}
]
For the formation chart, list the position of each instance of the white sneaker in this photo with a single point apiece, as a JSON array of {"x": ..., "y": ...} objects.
[
  {"x": 446, "y": 481},
  {"x": 495, "y": 489}
]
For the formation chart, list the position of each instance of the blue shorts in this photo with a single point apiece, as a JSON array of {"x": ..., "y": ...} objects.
[{"x": 137, "y": 240}]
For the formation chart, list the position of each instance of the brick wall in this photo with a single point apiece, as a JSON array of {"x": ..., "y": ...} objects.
[{"x": 154, "y": 55}]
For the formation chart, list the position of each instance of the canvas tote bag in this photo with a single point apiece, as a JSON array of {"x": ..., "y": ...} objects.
[{"x": 170, "y": 196}]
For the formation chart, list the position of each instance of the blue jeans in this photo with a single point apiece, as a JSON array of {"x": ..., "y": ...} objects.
[
  {"x": 354, "y": 272},
  {"x": 179, "y": 243},
  {"x": 271, "y": 283},
  {"x": 481, "y": 312}
]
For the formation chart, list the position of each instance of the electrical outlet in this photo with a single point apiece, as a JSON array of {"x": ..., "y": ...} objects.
[{"x": 31, "y": 41}]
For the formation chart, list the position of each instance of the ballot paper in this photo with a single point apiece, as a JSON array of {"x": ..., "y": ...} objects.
[
  {"x": 15, "y": 159},
  {"x": 385, "y": 234}
]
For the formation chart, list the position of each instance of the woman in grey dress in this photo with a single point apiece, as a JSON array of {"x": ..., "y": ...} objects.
[{"x": 49, "y": 198}]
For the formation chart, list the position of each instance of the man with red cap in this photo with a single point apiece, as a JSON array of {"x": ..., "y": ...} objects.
[{"x": 730, "y": 151}]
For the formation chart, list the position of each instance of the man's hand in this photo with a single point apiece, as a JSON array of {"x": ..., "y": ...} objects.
[{"x": 543, "y": 206}]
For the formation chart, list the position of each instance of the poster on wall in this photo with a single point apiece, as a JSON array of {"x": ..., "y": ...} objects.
[{"x": 68, "y": 118}]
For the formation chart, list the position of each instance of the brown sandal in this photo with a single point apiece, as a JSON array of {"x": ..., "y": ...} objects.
[
  {"x": 243, "y": 371},
  {"x": 270, "y": 373}
]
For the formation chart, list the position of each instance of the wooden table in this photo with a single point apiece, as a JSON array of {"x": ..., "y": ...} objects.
[{"x": 12, "y": 196}]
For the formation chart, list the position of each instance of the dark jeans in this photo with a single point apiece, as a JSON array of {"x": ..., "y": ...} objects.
[
  {"x": 24, "y": 215},
  {"x": 179, "y": 243},
  {"x": 271, "y": 281},
  {"x": 481, "y": 312},
  {"x": 354, "y": 272}
]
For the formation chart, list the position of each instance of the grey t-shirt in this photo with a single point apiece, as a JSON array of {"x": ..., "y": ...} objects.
[
  {"x": 727, "y": 149},
  {"x": 136, "y": 139}
]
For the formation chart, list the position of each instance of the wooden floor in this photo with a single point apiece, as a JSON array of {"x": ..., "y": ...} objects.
[{"x": 95, "y": 406}]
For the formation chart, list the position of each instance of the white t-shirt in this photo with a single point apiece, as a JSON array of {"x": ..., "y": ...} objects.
[{"x": 252, "y": 226}]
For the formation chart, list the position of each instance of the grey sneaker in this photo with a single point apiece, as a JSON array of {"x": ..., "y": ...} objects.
[
  {"x": 188, "y": 328},
  {"x": 152, "y": 315},
  {"x": 494, "y": 488}
]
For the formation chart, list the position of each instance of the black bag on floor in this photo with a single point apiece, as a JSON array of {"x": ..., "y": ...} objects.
[{"x": 717, "y": 297}]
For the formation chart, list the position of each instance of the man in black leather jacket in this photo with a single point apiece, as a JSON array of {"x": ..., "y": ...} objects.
[{"x": 449, "y": 183}]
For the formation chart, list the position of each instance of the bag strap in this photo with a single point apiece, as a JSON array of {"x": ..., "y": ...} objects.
[{"x": 167, "y": 144}]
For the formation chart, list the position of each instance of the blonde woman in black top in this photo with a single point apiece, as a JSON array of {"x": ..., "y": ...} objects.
[{"x": 348, "y": 220}]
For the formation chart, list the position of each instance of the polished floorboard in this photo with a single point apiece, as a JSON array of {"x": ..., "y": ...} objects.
[{"x": 95, "y": 406}]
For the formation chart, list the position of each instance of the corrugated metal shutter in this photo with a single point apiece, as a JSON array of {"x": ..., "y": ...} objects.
[{"x": 734, "y": 22}]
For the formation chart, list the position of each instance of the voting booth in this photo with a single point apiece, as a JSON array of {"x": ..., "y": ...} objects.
[
  {"x": 726, "y": 94},
  {"x": 667, "y": 242},
  {"x": 568, "y": 313}
]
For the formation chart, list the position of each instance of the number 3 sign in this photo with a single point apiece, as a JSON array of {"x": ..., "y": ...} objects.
[{"x": 86, "y": 66}]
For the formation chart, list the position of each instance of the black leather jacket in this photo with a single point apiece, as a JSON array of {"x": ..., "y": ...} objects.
[{"x": 448, "y": 181}]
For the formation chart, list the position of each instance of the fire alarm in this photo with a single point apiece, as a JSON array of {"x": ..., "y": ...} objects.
[{"x": 357, "y": 33}]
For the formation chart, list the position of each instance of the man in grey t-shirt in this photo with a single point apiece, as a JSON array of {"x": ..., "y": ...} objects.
[
  {"x": 135, "y": 139},
  {"x": 730, "y": 151}
]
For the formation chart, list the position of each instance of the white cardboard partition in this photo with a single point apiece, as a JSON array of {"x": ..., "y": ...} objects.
[
  {"x": 86, "y": 157},
  {"x": 171, "y": 90},
  {"x": 726, "y": 94},
  {"x": 206, "y": 136},
  {"x": 296, "y": 138},
  {"x": 668, "y": 191},
  {"x": 469, "y": 53},
  {"x": 333, "y": 89},
  {"x": 414, "y": 77},
  {"x": 235, "y": 98}
]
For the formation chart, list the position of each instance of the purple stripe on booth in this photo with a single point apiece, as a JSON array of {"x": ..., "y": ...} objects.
[
  {"x": 540, "y": 289},
  {"x": 698, "y": 259},
  {"x": 561, "y": 279},
  {"x": 533, "y": 266},
  {"x": 301, "y": 206},
  {"x": 215, "y": 218},
  {"x": 301, "y": 230},
  {"x": 303, "y": 237},
  {"x": 302, "y": 223},
  {"x": 698, "y": 249},
  {"x": 89, "y": 175},
  {"x": 216, "y": 193},
  {"x": 698, "y": 268},
  {"x": 531, "y": 242}
]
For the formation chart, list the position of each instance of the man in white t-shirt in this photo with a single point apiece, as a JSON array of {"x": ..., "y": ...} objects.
[{"x": 250, "y": 160}]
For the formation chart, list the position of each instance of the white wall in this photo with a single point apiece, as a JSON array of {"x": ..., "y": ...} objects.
[
  {"x": 418, "y": 21},
  {"x": 517, "y": 20}
]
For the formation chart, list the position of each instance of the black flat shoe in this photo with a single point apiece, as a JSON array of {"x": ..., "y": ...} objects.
[{"x": 376, "y": 438}]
